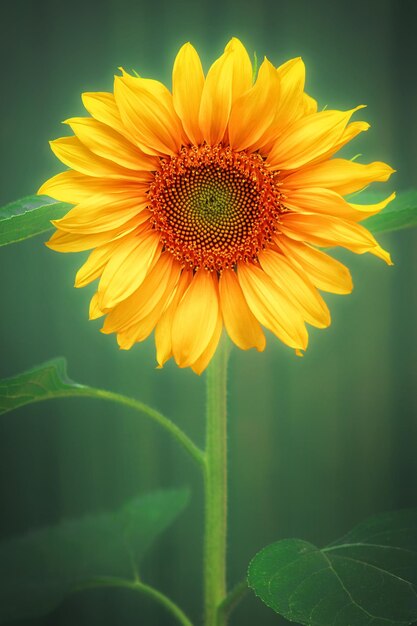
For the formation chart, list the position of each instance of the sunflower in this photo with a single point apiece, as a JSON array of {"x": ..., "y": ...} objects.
[{"x": 206, "y": 207}]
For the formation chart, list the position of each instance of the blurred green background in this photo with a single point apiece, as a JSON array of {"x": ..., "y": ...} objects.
[{"x": 316, "y": 444}]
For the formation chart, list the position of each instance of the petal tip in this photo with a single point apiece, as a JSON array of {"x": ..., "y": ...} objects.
[
  {"x": 41, "y": 190},
  {"x": 50, "y": 245}
]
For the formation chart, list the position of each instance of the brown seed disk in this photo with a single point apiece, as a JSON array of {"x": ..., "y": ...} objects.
[{"x": 214, "y": 206}]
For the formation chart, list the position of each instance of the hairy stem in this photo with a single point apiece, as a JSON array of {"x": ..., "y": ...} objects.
[{"x": 216, "y": 487}]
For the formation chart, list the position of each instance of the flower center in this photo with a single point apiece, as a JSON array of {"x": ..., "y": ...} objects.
[{"x": 214, "y": 206}]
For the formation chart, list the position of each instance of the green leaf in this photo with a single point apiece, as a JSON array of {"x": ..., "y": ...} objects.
[
  {"x": 38, "y": 569},
  {"x": 48, "y": 380},
  {"x": 29, "y": 216},
  {"x": 368, "y": 576},
  {"x": 400, "y": 213}
]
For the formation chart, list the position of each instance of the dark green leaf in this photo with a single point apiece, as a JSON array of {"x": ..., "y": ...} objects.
[
  {"x": 400, "y": 213},
  {"x": 38, "y": 569},
  {"x": 40, "y": 383},
  {"x": 29, "y": 216},
  {"x": 368, "y": 576}
]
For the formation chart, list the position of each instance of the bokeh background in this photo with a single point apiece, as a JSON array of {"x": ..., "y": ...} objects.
[{"x": 316, "y": 444}]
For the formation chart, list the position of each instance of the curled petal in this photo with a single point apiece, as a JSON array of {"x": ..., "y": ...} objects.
[
  {"x": 341, "y": 175},
  {"x": 351, "y": 131},
  {"x": 328, "y": 202},
  {"x": 362, "y": 211},
  {"x": 325, "y": 230}
]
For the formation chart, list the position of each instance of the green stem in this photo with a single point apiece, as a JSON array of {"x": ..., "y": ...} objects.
[
  {"x": 137, "y": 585},
  {"x": 232, "y": 599},
  {"x": 216, "y": 487},
  {"x": 154, "y": 415}
]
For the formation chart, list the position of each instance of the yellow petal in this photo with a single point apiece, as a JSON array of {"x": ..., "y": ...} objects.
[
  {"x": 95, "y": 312},
  {"x": 309, "y": 104},
  {"x": 195, "y": 319},
  {"x": 100, "y": 213},
  {"x": 74, "y": 154},
  {"x": 102, "y": 106},
  {"x": 340, "y": 175},
  {"x": 75, "y": 242},
  {"x": 148, "y": 113},
  {"x": 253, "y": 112},
  {"x": 292, "y": 76},
  {"x": 107, "y": 143},
  {"x": 227, "y": 79},
  {"x": 139, "y": 332},
  {"x": 241, "y": 325},
  {"x": 94, "y": 265},
  {"x": 325, "y": 230},
  {"x": 73, "y": 187},
  {"x": 316, "y": 200},
  {"x": 271, "y": 306},
  {"x": 328, "y": 202},
  {"x": 351, "y": 131},
  {"x": 307, "y": 139},
  {"x": 162, "y": 277},
  {"x": 290, "y": 105},
  {"x": 143, "y": 326},
  {"x": 216, "y": 99},
  {"x": 297, "y": 286},
  {"x": 362, "y": 211},
  {"x": 322, "y": 270},
  {"x": 242, "y": 68},
  {"x": 128, "y": 268},
  {"x": 200, "y": 365},
  {"x": 187, "y": 87},
  {"x": 163, "y": 330}
]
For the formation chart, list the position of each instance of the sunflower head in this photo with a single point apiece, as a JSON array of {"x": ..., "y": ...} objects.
[{"x": 206, "y": 206}]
